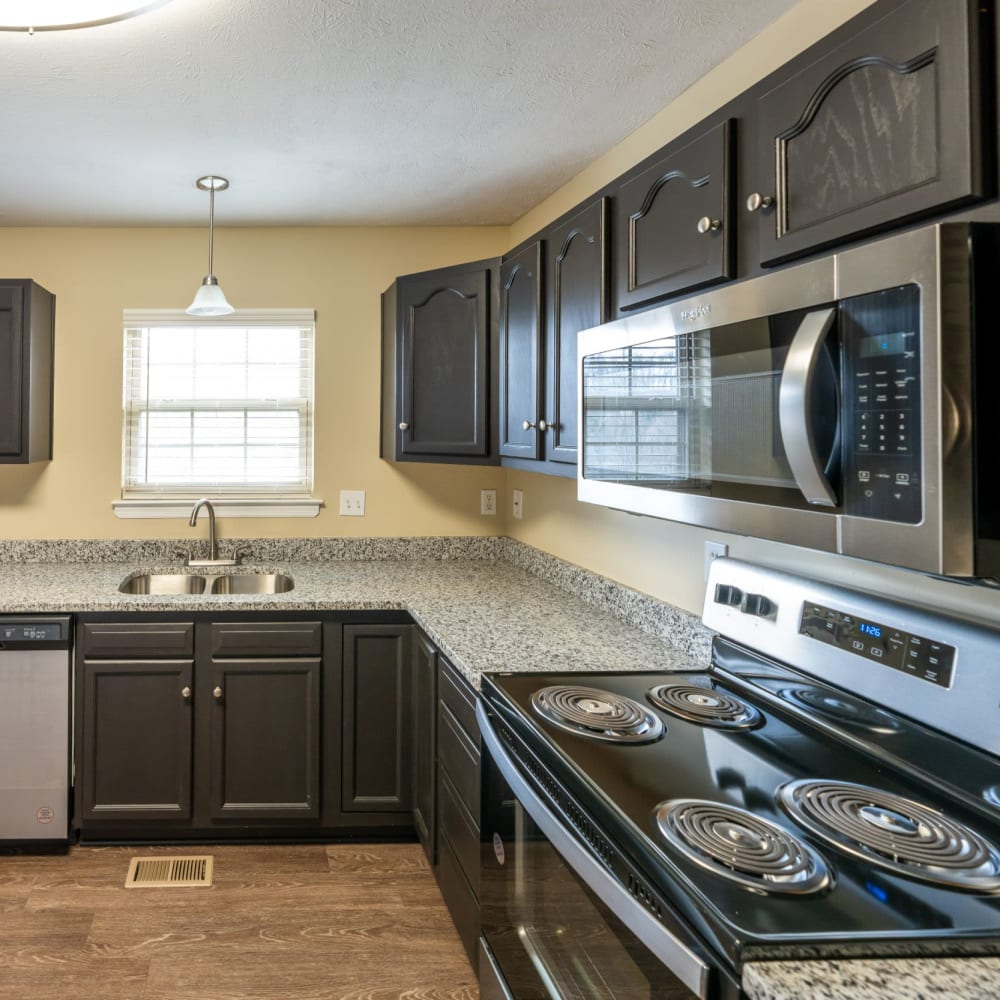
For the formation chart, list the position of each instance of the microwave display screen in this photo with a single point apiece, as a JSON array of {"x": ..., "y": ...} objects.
[{"x": 887, "y": 343}]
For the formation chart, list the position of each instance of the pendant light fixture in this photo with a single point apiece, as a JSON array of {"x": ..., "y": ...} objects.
[
  {"x": 209, "y": 300},
  {"x": 61, "y": 15}
]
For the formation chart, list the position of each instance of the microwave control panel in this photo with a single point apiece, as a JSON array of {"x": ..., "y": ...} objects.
[
  {"x": 915, "y": 655},
  {"x": 880, "y": 341}
]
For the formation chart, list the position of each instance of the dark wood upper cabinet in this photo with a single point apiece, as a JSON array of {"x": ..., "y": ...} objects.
[
  {"x": 436, "y": 364},
  {"x": 577, "y": 298},
  {"x": 27, "y": 318},
  {"x": 520, "y": 332},
  {"x": 871, "y": 128},
  {"x": 672, "y": 230}
]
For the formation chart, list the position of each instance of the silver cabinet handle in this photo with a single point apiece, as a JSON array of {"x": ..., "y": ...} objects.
[
  {"x": 527, "y": 425},
  {"x": 186, "y": 693},
  {"x": 673, "y": 953},
  {"x": 708, "y": 225},
  {"x": 547, "y": 425},
  {"x": 217, "y": 693},
  {"x": 795, "y": 404},
  {"x": 757, "y": 201},
  {"x": 403, "y": 425}
]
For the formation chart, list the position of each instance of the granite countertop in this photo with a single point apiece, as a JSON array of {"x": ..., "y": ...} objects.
[{"x": 489, "y": 614}]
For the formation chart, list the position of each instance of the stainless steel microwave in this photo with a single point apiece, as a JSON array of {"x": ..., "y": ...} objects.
[{"x": 833, "y": 404}]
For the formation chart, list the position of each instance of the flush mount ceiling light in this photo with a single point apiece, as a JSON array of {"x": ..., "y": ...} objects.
[
  {"x": 209, "y": 300},
  {"x": 61, "y": 15}
]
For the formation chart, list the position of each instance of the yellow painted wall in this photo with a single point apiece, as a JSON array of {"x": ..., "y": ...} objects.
[{"x": 95, "y": 273}]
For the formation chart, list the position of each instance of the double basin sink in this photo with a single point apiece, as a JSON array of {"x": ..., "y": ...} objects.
[{"x": 195, "y": 583}]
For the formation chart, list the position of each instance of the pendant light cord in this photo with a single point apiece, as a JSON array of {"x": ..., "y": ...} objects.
[{"x": 211, "y": 226}]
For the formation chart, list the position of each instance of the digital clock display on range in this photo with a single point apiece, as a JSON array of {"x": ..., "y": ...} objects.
[{"x": 875, "y": 631}]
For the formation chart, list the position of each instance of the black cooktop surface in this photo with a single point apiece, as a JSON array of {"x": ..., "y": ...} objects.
[{"x": 704, "y": 804}]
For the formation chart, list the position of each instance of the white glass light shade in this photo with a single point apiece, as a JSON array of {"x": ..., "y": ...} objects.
[
  {"x": 209, "y": 300},
  {"x": 53, "y": 15}
]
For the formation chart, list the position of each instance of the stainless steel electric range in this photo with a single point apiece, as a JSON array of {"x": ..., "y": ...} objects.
[{"x": 829, "y": 787}]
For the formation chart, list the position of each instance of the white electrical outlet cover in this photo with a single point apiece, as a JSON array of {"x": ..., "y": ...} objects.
[
  {"x": 352, "y": 503},
  {"x": 517, "y": 504},
  {"x": 488, "y": 502}
]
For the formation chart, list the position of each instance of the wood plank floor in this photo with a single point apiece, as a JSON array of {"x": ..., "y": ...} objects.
[{"x": 281, "y": 922}]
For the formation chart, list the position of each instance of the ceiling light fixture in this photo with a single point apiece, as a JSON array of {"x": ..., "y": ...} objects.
[
  {"x": 209, "y": 300},
  {"x": 61, "y": 15}
]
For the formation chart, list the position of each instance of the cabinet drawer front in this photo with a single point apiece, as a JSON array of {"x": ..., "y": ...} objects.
[
  {"x": 459, "y": 758},
  {"x": 459, "y": 898},
  {"x": 461, "y": 832},
  {"x": 460, "y": 698},
  {"x": 142, "y": 639},
  {"x": 267, "y": 639}
]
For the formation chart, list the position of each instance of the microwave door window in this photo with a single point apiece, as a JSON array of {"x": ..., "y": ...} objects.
[{"x": 647, "y": 413}]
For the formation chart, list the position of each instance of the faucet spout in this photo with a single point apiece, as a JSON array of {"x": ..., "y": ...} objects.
[{"x": 213, "y": 548}]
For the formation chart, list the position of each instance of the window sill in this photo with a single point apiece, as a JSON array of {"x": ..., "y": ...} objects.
[{"x": 273, "y": 507}]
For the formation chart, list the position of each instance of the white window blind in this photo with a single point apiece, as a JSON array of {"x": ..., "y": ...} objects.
[{"x": 222, "y": 406}]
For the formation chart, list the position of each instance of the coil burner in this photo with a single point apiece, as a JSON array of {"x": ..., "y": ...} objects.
[
  {"x": 894, "y": 833},
  {"x": 741, "y": 847},
  {"x": 705, "y": 706},
  {"x": 839, "y": 707},
  {"x": 597, "y": 714}
]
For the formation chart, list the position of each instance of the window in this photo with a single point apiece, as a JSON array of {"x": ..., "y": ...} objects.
[{"x": 220, "y": 406}]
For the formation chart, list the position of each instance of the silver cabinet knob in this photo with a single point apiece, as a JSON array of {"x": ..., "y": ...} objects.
[
  {"x": 217, "y": 693},
  {"x": 757, "y": 201},
  {"x": 708, "y": 225},
  {"x": 186, "y": 693},
  {"x": 547, "y": 425},
  {"x": 403, "y": 425},
  {"x": 527, "y": 425}
]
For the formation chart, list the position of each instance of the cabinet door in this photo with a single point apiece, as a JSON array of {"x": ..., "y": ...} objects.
[
  {"x": 11, "y": 346},
  {"x": 520, "y": 334},
  {"x": 576, "y": 270},
  {"x": 424, "y": 753},
  {"x": 376, "y": 719},
  {"x": 134, "y": 761},
  {"x": 673, "y": 229},
  {"x": 883, "y": 127},
  {"x": 443, "y": 323},
  {"x": 261, "y": 730}
]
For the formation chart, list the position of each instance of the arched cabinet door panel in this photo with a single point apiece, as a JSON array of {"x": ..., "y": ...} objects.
[
  {"x": 673, "y": 222},
  {"x": 871, "y": 131}
]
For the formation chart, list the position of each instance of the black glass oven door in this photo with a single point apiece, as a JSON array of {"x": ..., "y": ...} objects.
[{"x": 550, "y": 934}]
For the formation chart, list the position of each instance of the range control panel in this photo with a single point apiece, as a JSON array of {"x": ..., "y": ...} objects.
[{"x": 912, "y": 654}]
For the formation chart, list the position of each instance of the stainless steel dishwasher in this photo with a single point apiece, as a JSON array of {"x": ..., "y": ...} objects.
[{"x": 35, "y": 728}]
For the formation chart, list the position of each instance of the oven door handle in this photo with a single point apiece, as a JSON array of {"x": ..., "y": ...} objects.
[
  {"x": 795, "y": 408},
  {"x": 691, "y": 970}
]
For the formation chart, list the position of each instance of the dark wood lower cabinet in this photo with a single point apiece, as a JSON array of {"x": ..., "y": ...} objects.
[
  {"x": 249, "y": 726},
  {"x": 134, "y": 756},
  {"x": 424, "y": 751}
]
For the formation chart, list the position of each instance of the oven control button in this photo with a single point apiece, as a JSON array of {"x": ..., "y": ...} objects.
[
  {"x": 758, "y": 605},
  {"x": 726, "y": 594}
]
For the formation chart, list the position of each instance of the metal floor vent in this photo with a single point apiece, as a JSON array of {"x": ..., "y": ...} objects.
[{"x": 164, "y": 873}]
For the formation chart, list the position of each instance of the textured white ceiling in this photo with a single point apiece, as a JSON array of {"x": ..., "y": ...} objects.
[{"x": 341, "y": 112}]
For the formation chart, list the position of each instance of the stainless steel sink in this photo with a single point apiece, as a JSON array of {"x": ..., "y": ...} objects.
[
  {"x": 252, "y": 583},
  {"x": 164, "y": 583},
  {"x": 193, "y": 583}
]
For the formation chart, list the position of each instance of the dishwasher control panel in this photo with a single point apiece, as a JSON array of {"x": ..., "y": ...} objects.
[{"x": 34, "y": 631}]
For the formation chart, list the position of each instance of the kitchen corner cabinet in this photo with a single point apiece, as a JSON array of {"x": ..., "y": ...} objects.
[
  {"x": 27, "y": 324},
  {"x": 437, "y": 341},
  {"x": 673, "y": 229},
  {"x": 872, "y": 127},
  {"x": 424, "y": 748},
  {"x": 240, "y": 727},
  {"x": 550, "y": 291}
]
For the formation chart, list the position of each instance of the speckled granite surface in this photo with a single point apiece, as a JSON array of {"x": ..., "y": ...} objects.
[
  {"x": 914, "y": 979},
  {"x": 489, "y": 604}
]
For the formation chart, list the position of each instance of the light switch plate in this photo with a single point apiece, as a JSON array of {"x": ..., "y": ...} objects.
[
  {"x": 352, "y": 503},
  {"x": 517, "y": 505}
]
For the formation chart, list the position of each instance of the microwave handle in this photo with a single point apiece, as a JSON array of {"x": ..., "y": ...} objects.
[
  {"x": 795, "y": 407},
  {"x": 688, "y": 967}
]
